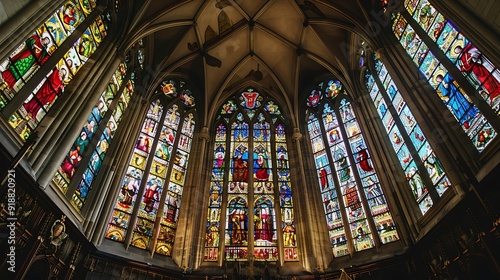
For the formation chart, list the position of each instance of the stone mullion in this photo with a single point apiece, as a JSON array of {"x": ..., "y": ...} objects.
[
  {"x": 276, "y": 193},
  {"x": 376, "y": 137},
  {"x": 94, "y": 195},
  {"x": 359, "y": 184},
  {"x": 412, "y": 149},
  {"x": 134, "y": 216}
]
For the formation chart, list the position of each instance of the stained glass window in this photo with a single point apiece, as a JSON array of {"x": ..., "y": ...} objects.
[
  {"x": 28, "y": 58},
  {"x": 479, "y": 71},
  {"x": 113, "y": 98},
  {"x": 154, "y": 180},
  {"x": 86, "y": 181},
  {"x": 349, "y": 185},
  {"x": 425, "y": 174},
  {"x": 251, "y": 174},
  {"x": 18, "y": 68}
]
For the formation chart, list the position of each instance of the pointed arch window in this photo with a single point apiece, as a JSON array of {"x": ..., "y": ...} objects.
[
  {"x": 146, "y": 211},
  {"x": 251, "y": 177},
  {"x": 426, "y": 34},
  {"x": 425, "y": 174},
  {"x": 356, "y": 210},
  {"x": 101, "y": 124},
  {"x": 29, "y": 57}
]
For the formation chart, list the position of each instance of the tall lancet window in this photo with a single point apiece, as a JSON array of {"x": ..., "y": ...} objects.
[
  {"x": 427, "y": 35},
  {"x": 251, "y": 177},
  {"x": 426, "y": 176},
  {"x": 56, "y": 33},
  {"x": 101, "y": 124},
  {"x": 354, "y": 202},
  {"x": 146, "y": 211}
]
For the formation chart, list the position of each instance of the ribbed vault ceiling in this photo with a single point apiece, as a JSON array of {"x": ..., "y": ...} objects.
[{"x": 279, "y": 44}]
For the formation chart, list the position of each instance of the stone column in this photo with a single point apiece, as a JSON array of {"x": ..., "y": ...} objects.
[
  {"x": 195, "y": 217},
  {"x": 310, "y": 243}
]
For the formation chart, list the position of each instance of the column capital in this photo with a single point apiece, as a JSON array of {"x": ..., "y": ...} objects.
[
  {"x": 120, "y": 55},
  {"x": 380, "y": 54},
  {"x": 297, "y": 136},
  {"x": 204, "y": 135}
]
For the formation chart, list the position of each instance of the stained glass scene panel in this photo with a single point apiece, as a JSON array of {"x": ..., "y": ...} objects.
[
  {"x": 176, "y": 186},
  {"x": 479, "y": 71},
  {"x": 26, "y": 59},
  {"x": 236, "y": 235},
  {"x": 360, "y": 231},
  {"x": 331, "y": 204},
  {"x": 285, "y": 189},
  {"x": 102, "y": 147},
  {"x": 456, "y": 100},
  {"x": 427, "y": 17},
  {"x": 155, "y": 183},
  {"x": 413, "y": 130},
  {"x": 374, "y": 194},
  {"x": 475, "y": 66},
  {"x": 39, "y": 102},
  {"x": 265, "y": 238},
  {"x": 127, "y": 196},
  {"x": 148, "y": 208},
  {"x": 212, "y": 235},
  {"x": 77, "y": 152},
  {"x": 400, "y": 147}
]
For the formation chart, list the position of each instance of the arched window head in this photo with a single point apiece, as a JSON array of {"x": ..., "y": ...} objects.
[
  {"x": 347, "y": 178},
  {"x": 425, "y": 174},
  {"x": 426, "y": 34},
  {"x": 251, "y": 176},
  {"x": 146, "y": 212}
]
